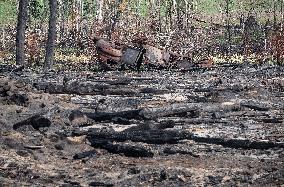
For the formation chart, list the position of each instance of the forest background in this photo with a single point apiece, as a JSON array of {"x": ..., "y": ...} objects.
[{"x": 235, "y": 31}]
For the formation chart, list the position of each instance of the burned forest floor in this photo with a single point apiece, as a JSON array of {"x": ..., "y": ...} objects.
[{"x": 210, "y": 127}]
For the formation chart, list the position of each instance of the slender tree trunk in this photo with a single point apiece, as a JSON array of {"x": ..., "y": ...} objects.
[
  {"x": 99, "y": 12},
  {"x": 50, "y": 46},
  {"x": 274, "y": 15},
  {"x": 282, "y": 14},
  {"x": 62, "y": 8},
  {"x": 170, "y": 15},
  {"x": 228, "y": 25},
  {"x": 3, "y": 38},
  {"x": 21, "y": 27},
  {"x": 160, "y": 16}
]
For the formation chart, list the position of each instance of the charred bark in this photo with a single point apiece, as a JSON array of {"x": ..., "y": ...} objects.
[
  {"x": 145, "y": 114},
  {"x": 104, "y": 116},
  {"x": 174, "y": 110},
  {"x": 50, "y": 46},
  {"x": 173, "y": 137},
  {"x": 127, "y": 150},
  {"x": 21, "y": 27},
  {"x": 150, "y": 136},
  {"x": 238, "y": 143},
  {"x": 36, "y": 121}
]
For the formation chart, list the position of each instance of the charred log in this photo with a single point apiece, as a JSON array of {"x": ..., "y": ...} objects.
[
  {"x": 174, "y": 136},
  {"x": 127, "y": 150},
  {"x": 36, "y": 121},
  {"x": 150, "y": 136},
  {"x": 104, "y": 116},
  {"x": 238, "y": 143},
  {"x": 86, "y": 154}
]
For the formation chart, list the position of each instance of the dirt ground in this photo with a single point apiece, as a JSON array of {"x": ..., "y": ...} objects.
[{"x": 230, "y": 122}]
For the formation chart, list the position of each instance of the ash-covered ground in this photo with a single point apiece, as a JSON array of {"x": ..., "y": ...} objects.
[{"x": 218, "y": 127}]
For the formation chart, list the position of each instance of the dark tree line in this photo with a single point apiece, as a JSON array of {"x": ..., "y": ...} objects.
[{"x": 21, "y": 27}]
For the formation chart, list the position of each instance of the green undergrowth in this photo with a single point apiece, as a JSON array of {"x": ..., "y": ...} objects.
[{"x": 8, "y": 12}]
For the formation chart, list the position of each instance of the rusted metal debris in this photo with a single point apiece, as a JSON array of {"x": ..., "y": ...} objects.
[{"x": 111, "y": 56}]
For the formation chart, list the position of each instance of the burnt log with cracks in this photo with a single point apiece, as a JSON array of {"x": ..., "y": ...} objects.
[
  {"x": 106, "y": 116},
  {"x": 149, "y": 136},
  {"x": 238, "y": 143},
  {"x": 36, "y": 121},
  {"x": 180, "y": 110},
  {"x": 127, "y": 150},
  {"x": 141, "y": 114},
  {"x": 173, "y": 137}
]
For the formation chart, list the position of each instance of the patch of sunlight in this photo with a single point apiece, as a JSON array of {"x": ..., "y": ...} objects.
[
  {"x": 238, "y": 59},
  {"x": 72, "y": 58}
]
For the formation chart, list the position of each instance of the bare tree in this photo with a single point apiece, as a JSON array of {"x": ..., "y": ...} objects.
[
  {"x": 21, "y": 26},
  {"x": 50, "y": 46}
]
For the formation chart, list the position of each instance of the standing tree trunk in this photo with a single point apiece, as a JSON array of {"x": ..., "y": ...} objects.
[
  {"x": 50, "y": 46},
  {"x": 274, "y": 15},
  {"x": 62, "y": 9},
  {"x": 282, "y": 14},
  {"x": 3, "y": 38},
  {"x": 21, "y": 26},
  {"x": 99, "y": 12},
  {"x": 228, "y": 26}
]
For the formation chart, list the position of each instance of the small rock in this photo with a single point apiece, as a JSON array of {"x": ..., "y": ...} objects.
[
  {"x": 182, "y": 178},
  {"x": 42, "y": 105},
  {"x": 36, "y": 121},
  {"x": 133, "y": 171},
  {"x": 54, "y": 138},
  {"x": 86, "y": 154},
  {"x": 59, "y": 146},
  {"x": 20, "y": 110},
  {"x": 77, "y": 139},
  {"x": 163, "y": 175},
  {"x": 19, "y": 99},
  {"x": 100, "y": 184},
  {"x": 23, "y": 153},
  {"x": 73, "y": 183},
  {"x": 6, "y": 87}
]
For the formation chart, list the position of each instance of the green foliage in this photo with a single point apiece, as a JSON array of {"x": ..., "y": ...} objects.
[
  {"x": 89, "y": 8},
  {"x": 208, "y": 6},
  {"x": 163, "y": 9},
  {"x": 143, "y": 8},
  {"x": 8, "y": 8},
  {"x": 8, "y": 11},
  {"x": 36, "y": 8}
]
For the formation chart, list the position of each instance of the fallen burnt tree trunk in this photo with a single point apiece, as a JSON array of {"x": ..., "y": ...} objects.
[
  {"x": 170, "y": 110},
  {"x": 149, "y": 136},
  {"x": 107, "y": 116},
  {"x": 95, "y": 88},
  {"x": 180, "y": 110},
  {"x": 127, "y": 150},
  {"x": 141, "y": 114},
  {"x": 174, "y": 136},
  {"x": 238, "y": 143},
  {"x": 36, "y": 121}
]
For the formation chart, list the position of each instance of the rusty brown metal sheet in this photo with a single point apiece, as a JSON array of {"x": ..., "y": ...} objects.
[
  {"x": 107, "y": 48},
  {"x": 154, "y": 55}
]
